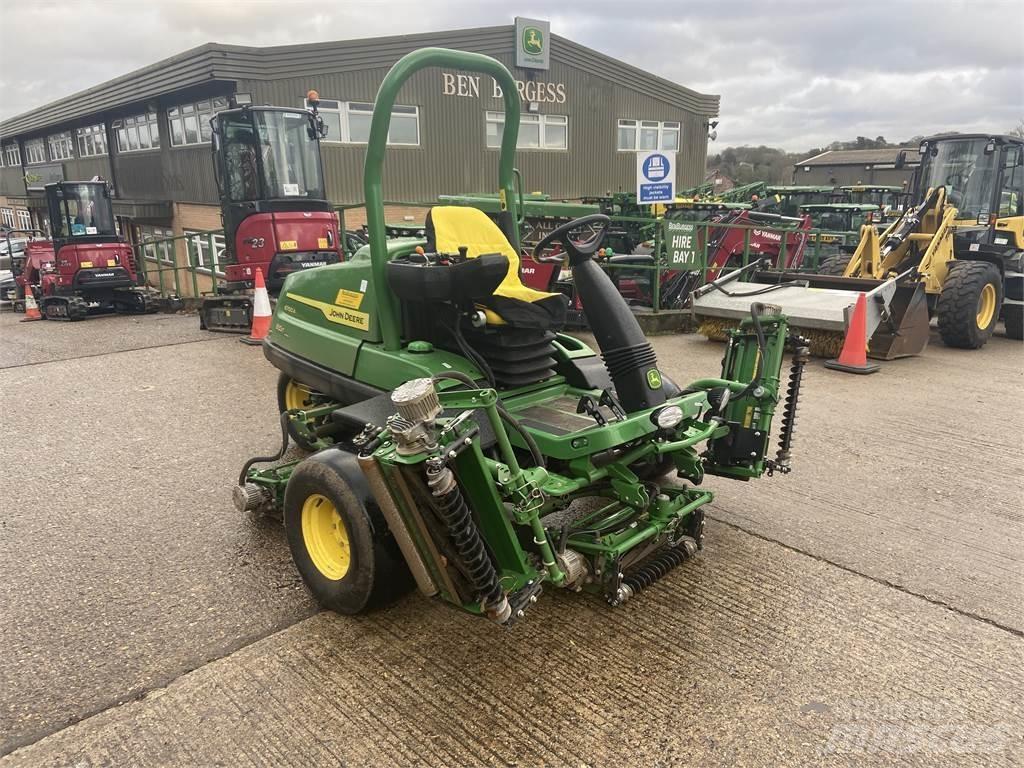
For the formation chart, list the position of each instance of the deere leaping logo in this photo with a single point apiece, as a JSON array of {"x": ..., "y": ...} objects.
[{"x": 533, "y": 41}]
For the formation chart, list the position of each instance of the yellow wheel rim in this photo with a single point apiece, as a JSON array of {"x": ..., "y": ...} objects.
[
  {"x": 296, "y": 396},
  {"x": 325, "y": 537},
  {"x": 986, "y": 306}
]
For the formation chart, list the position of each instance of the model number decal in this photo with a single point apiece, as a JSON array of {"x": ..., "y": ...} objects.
[{"x": 336, "y": 314}]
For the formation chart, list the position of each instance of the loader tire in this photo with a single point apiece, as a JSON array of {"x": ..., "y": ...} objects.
[
  {"x": 338, "y": 538},
  {"x": 1013, "y": 319},
  {"x": 292, "y": 394},
  {"x": 968, "y": 306},
  {"x": 834, "y": 265}
]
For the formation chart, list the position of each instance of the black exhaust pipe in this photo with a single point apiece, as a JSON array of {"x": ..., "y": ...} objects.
[{"x": 630, "y": 360}]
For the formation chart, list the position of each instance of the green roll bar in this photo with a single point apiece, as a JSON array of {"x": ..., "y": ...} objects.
[{"x": 387, "y": 308}]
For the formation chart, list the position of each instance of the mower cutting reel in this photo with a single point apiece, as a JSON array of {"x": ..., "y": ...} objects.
[{"x": 473, "y": 446}]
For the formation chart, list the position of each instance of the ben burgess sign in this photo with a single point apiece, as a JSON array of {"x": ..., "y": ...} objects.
[{"x": 468, "y": 86}]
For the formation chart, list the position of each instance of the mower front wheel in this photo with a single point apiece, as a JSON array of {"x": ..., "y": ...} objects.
[
  {"x": 339, "y": 541},
  {"x": 293, "y": 395}
]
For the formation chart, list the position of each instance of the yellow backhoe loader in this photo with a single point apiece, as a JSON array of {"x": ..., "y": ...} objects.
[{"x": 956, "y": 254}]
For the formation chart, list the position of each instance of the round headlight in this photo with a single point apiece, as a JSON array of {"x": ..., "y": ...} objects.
[{"x": 668, "y": 417}]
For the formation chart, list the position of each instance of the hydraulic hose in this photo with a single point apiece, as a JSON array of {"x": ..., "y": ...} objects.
[
  {"x": 508, "y": 418},
  {"x": 265, "y": 459}
]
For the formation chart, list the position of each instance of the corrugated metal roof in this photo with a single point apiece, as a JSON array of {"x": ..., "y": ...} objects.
[
  {"x": 860, "y": 156},
  {"x": 216, "y": 61}
]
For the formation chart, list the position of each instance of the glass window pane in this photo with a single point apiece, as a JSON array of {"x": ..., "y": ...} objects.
[
  {"x": 172, "y": 112},
  {"x": 191, "y": 130},
  {"x": 494, "y": 133},
  {"x": 188, "y": 109},
  {"x": 404, "y": 129},
  {"x": 627, "y": 137},
  {"x": 154, "y": 135},
  {"x": 648, "y": 138},
  {"x": 205, "y": 132},
  {"x": 670, "y": 139},
  {"x": 359, "y": 127},
  {"x": 364, "y": 107},
  {"x": 529, "y": 135},
  {"x": 143, "y": 136},
  {"x": 332, "y": 120},
  {"x": 177, "y": 134},
  {"x": 122, "y": 139},
  {"x": 556, "y": 136},
  {"x": 133, "y": 138}
]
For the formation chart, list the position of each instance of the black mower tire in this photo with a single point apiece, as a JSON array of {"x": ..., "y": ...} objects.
[
  {"x": 284, "y": 383},
  {"x": 834, "y": 266},
  {"x": 969, "y": 304},
  {"x": 1013, "y": 319},
  {"x": 365, "y": 569}
]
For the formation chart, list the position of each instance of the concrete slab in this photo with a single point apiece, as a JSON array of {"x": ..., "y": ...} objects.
[
  {"x": 912, "y": 476},
  {"x": 122, "y": 561},
  {"x": 47, "y": 340},
  {"x": 750, "y": 656}
]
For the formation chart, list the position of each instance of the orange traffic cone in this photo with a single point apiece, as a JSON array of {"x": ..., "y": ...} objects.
[
  {"x": 31, "y": 308},
  {"x": 854, "y": 356},
  {"x": 260, "y": 312}
]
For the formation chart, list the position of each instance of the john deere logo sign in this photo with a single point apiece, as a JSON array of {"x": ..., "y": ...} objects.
[
  {"x": 532, "y": 49},
  {"x": 533, "y": 40}
]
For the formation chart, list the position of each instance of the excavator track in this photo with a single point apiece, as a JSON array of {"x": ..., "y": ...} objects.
[{"x": 66, "y": 308}]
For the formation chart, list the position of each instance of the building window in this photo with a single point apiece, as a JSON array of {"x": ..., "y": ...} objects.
[
  {"x": 92, "y": 140},
  {"x": 190, "y": 123},
  {"x": 7, "y": 215},
  {"x": 200, "y": 253},
  {"x": 13, "y": 155},
  {"x": 647, "y": 136},
  {"x": 137, "y": 133},
  {"x": 157, "y": 244},
  {"x": 24, "y": 219},
  {"x": 348, "y": 122},
  {"x": 535, "y": 131},
  {"x": 35, "y": 152},
  {"x": 60, "y": 146}
]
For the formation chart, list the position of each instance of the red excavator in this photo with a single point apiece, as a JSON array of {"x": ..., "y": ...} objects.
[
  {"x": 86, "y": 267},
  {"x": 273, "y": 203}
]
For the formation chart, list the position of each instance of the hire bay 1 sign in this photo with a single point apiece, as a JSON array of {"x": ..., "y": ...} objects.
[{"x": 680, "y": 238}]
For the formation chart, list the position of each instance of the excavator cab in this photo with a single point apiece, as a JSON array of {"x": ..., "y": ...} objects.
[{"x": 277, "y": 218}]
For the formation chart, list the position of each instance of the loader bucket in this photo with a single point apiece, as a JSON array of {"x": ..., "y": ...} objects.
[
  {"x": 904, "y": 332},
  {"x": 819, "y": 308}
]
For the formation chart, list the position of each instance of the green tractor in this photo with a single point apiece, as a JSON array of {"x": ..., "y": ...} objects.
[
  {"x": 463, "y": 443},
  {"x": 838, "y": 226}
]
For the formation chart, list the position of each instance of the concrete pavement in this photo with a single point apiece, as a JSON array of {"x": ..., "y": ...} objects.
[{"x": 865, "y": 609}]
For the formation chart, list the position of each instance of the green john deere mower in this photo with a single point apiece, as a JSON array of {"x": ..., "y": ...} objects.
[{"x": 463, "y": 441}]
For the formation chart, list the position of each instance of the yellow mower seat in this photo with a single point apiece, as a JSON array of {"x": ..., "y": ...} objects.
[{"x": 450, "y": 227}]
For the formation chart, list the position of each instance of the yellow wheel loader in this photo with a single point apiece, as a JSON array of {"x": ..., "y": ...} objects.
[{"x": 956, "y": 254}]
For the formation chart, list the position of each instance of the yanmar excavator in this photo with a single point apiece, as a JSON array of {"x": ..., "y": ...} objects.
[
  {"x": 87, "y": 267},
  {"x": 273, "y": 203}
]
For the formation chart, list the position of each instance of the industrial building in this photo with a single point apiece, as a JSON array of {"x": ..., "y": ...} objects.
[
  {"x": 584, "y": 116},
  {"x": 857, "y": 166}
]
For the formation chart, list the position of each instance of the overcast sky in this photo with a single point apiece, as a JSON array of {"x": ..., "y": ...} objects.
[{"x": 793, "y": 74}]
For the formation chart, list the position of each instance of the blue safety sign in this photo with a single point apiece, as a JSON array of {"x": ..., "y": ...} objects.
[{"x": 655, "y": 178}]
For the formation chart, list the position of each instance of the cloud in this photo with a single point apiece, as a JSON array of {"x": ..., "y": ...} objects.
[{"x": 791, "y": 73}]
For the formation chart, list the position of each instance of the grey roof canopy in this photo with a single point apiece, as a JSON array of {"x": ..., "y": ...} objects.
[
  {"x": 860, "y": 156},
  {"x": 218, "y": 62}
]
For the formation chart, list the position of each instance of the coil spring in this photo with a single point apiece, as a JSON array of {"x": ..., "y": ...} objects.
[
  {"x": 796, "y": 372},
  {"x": 658, "y": 566},
  {"x": 451, "y": 506}
]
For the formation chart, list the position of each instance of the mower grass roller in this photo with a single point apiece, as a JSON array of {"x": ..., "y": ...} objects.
[{"x": 463, "y": 439}]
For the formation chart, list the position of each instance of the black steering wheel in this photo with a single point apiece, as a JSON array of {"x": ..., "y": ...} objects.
[{"x": 579, "y": 252}]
